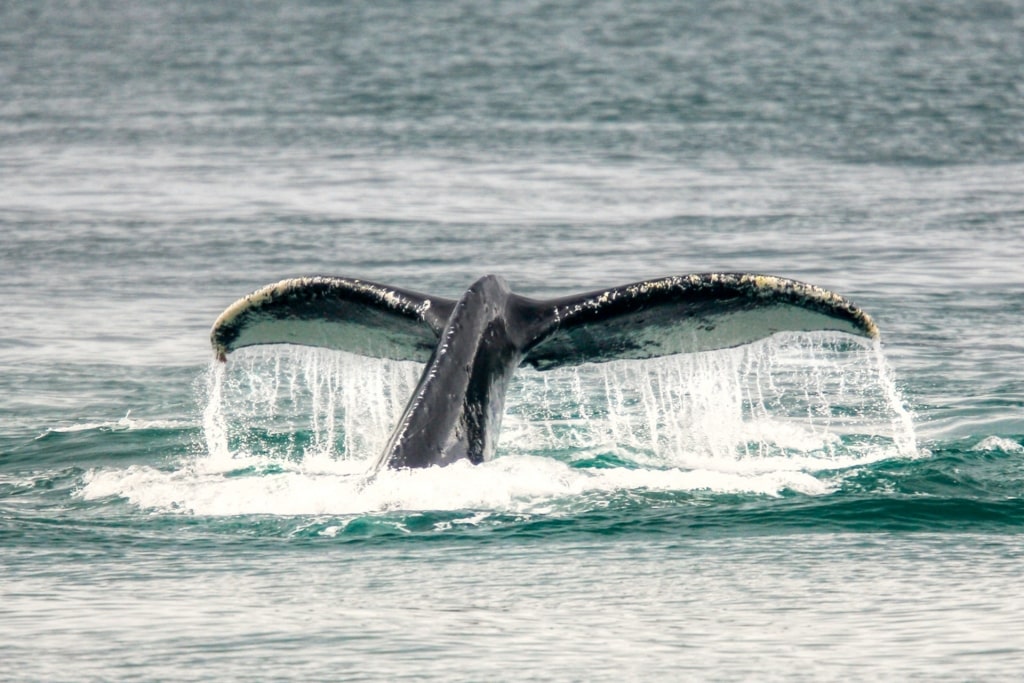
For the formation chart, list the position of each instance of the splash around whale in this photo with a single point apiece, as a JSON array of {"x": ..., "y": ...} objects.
[{"x": 472, "y": 346}]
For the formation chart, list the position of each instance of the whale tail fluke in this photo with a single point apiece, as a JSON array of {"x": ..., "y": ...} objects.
[
  {"x": 677, "y": 314},
  {"x": 471, "y": 347}
]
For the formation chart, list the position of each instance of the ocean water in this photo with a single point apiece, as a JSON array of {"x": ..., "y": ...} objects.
[{"x": 809, "y": 507}]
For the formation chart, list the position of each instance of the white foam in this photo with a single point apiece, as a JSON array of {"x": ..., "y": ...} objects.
[
  {"x": 511, "y": 484},
  {"x": 998, "y": 443},
  {"x": 292, "y": 431}
]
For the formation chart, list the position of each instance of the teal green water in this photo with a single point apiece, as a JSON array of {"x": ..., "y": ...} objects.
[{"x": 807, "y": 508}]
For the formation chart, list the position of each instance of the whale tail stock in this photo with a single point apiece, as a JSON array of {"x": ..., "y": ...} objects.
[
  {"x": 678, "y": 314},
  {"x": 472, "y": 345}
]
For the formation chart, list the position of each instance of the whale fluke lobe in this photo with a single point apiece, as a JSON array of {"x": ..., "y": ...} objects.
[
  {"x": 335, "y": 313},
  {"x": 687, "y": 314},
  {"x": 472, "y": 346}
]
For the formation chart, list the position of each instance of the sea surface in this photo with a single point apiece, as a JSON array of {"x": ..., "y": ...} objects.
[{"x": 809, "y": 507}]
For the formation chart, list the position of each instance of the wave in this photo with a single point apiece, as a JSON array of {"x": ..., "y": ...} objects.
[
  {"x": 526, "y": 495},
  {"x": 126, "y": 423},
  {"x": 90, "y": 444},
  {"x": 508, "y": 485}
]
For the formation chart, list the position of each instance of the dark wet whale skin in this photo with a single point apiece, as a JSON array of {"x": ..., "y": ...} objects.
[{"x": 456, "y": 410}]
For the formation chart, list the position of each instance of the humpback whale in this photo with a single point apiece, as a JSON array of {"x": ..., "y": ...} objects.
[{"x": 472, "y": 346}]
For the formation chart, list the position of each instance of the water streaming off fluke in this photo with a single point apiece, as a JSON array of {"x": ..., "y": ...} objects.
[
  {"x": 295, "y": 430},
  {"x": 820, "y": 396}
]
